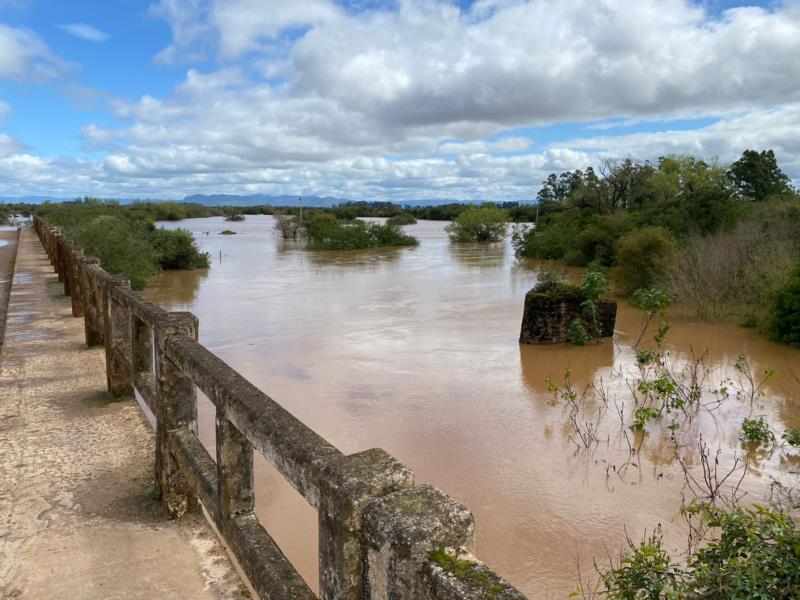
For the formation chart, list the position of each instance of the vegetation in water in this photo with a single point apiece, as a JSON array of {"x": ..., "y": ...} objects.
[
  {"x": 753, "y": 553},
  {"x": 235, "y": 216},
  {"x": 720, "y": 240},
  {"x": 325, "y": 232},
  {"x": 783, "y": 320},
  {"x": 756, "y": 432},
  {"x": 792, "y": 437},
  {"x": 227, "y": 232},
  {"x": 732, "y": 551},
  {"x": 125, "y": 239},
  {"x": 480, "y": 225},
  {"x": 403, "y": 218},
  {"x": 287, "y": 226}
]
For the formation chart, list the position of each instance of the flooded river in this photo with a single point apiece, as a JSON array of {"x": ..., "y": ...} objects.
[{"x": 415, "y": 350}]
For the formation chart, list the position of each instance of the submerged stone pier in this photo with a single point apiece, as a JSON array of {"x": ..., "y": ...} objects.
[
  {"x": 381, "y": 535},
  {"x": 550, "y": 310}
]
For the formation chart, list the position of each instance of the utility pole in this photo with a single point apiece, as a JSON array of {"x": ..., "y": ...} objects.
[{"x": 300, "y": 199}]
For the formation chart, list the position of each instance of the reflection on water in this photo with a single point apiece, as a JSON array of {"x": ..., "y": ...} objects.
[
  {"x": 415, "y": 350},
  {"x": 480, "y": 256}
]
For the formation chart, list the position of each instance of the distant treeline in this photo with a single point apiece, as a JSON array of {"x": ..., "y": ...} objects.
[{"x": 177, "y": 211}]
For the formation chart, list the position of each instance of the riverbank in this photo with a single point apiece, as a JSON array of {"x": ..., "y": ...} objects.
[{"x": 8, "y": 253}]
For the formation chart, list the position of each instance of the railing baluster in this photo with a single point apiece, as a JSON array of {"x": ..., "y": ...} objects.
[
  {"x": 117, "y": 335},
  {"x": 177, "y": 407},
  {"x": 234, "y": 472}
]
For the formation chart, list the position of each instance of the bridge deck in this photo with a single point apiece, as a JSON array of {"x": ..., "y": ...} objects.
[{"x": 77, "y": 514}]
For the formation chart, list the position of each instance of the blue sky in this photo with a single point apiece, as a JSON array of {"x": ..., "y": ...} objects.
[{"x": 389, "y": 100}]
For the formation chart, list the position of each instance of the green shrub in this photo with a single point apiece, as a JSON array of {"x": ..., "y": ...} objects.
[
  {"x": 783, "y": 320},
  {"x": 577, "y": 333},
  {"x": 642, "y": 258},
  {"x": 227, "y": 232},
  {"x": 125, "y": 239},
  {"x": 325, "y": 232},
  {"x": 792, "y": 437},
  {"x": 645, "y": 356},
  {"x": 120, "y": 248},
  {"x": 176, "y": 249},
  {"x": 482, "y": 225},
  {"x": 401, "y": 219},
  {"x": 552, "y": 238},
  {"x": 756, "y": 554},
  {"x": 756, "y": 431}
]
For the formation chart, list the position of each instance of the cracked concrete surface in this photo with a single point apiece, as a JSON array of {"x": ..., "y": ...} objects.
[{"x": 77, "y": 513}]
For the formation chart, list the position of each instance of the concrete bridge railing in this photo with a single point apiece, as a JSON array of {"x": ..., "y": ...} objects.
[{"x": 381, "y": 535}]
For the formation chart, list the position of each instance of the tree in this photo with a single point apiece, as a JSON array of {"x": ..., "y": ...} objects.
[
  {"x": 557, "y": 188},
  {"x": 482, "y": 225},
  {"x": 783, "y": 321},
  {"x": 642, "y": 258},
  {"x": 757, "y": 175}
]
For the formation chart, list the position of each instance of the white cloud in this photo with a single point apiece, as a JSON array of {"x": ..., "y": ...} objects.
[
  {"x": 8, "y": 145},
  {"x": 243, "y": 24},
  {"x": 5, "y": 109},
  {"x": 776, "y": 128},
  {"x": 190, "y": 26},
  {"x": 425, "y": 99},
  {"x": 85, "y": 32},
  {"x": 23, "y": 55},
  {"x": 506, "y": 144}
]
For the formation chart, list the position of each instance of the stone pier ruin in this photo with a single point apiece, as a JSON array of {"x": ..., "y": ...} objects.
[{"x": 549, "y": 311}]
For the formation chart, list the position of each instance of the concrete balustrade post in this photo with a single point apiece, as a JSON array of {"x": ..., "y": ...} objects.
[
  {"x": 401, "y": 531},
  {"x": 141, "y": 346},
  {"x": 117, "y": 337},
  {"x": 59, "y": 253},
  {"x": 176, "y": 408},
  {"x": 76, "y": 283},
  {"x": 67, "y": 251},
  {"x": 349, "y": 484},
  {"x": 234, "y": 472},
  {"x": 92, "y": 303}
]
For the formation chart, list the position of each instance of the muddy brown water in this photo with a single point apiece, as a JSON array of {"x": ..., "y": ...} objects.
[{"x": 415, "y": 350}]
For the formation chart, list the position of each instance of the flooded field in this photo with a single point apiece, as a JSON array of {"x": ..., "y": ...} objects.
[{"x": 415, "y": 350}]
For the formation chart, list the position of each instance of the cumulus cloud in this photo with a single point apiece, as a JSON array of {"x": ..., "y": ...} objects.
[
  {"x": 425, "y": 99},
  {"x": 8, "y": 145},
  {"x": 191, "y": 30},
  {"x": 23, "y": 55},
  {"x": 85, "y": 32}
]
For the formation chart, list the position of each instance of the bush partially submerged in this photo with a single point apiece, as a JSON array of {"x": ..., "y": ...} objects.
[
  {"x": 783, "y": 321},
  {"x": 124, "y": 240},
  {"x": 287, "y": 226},
  {"x": 755, "y": 554},
  {"x": 402, "y": 219},
  {"x": 325, "y": 232},
  {"x": 481, "y": 225},
  {"x": 642, "y": 259}
]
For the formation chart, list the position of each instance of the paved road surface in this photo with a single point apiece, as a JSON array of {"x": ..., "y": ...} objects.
[{"x": 77, "y": 515}]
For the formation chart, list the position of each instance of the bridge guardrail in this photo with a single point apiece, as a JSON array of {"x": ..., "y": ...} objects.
[{"x": 381, "y": 535}]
